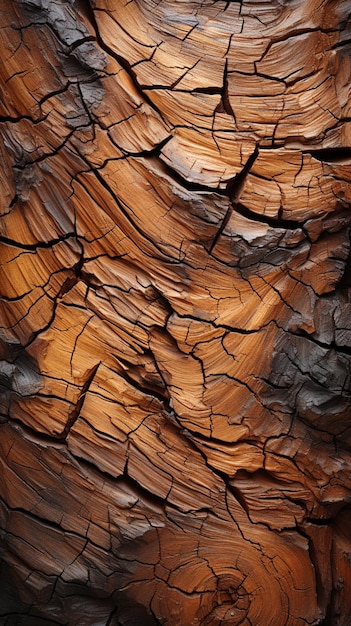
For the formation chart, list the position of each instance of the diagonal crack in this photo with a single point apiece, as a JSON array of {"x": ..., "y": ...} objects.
[
  {"x": 74, "y": 414},
  {"x": 233, "y": 190}
]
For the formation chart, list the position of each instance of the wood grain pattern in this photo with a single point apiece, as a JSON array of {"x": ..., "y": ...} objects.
[{"x": 175, "y": 420}]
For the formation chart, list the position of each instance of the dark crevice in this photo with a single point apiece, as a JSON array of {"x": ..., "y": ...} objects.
[
  {"x": 34, "y": 246},
  {"x": 318, "y": 521},
  {"x": 71, "y": 281},
  {"x": 331, "y": 155},
  {"x": 235, "y": 184},
  {"x": 344, "y": 42},
  {"x": 233, "y": 190},
  {"x": 345, "y": 280},
  {"x": 74, "y": 414},
  {"x": 229, "y": 2},
  {"x": 265, "y": 219},
  {"x": 221, "y": 228},
  {"x": 225, "y": 96},
  {"x": 111, "y": 621},
  {"x": 327, "y": 346},
  {"x": 148, "y": 391},
  {"x": 208, "y": 90},
  {"x": 79, "y": 42},
  {"x": 84, "y": 104},
  {"x": 143, "y": 494},
  {"x": 52, "y": 94},
  {"x": 328, "y": 521},
  {"x": 147, "y": 154},
  {"x": 320, "y": 590},
  {"x": 13, "y": 201},
  {"x": 15, "y": 120}
]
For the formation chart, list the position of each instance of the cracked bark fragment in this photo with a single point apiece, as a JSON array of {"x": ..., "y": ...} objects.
[{"x": 175, "y": 304}]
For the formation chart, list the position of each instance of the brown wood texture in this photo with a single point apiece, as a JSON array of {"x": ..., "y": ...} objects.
[{"x": 175, "y": 310}]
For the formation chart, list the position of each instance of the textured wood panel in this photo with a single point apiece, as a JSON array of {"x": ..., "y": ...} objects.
[{"x": 175, "y": 313}]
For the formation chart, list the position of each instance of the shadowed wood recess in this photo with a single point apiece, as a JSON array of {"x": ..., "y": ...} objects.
[{"x": 175, "y": 431}]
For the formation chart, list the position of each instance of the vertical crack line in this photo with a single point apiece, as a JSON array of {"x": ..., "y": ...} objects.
[
  {"x": 74, "y": 414},
  {"x": 222, "y": 227},
  {"x": 225, "y": 95},
  {"x": 233, "y": 189}
]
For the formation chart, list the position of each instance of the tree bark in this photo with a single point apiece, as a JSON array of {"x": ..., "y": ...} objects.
[{"x": 176, "y": 332}]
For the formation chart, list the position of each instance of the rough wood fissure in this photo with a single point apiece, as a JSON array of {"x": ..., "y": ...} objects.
[{"x": 175, "y": 311}]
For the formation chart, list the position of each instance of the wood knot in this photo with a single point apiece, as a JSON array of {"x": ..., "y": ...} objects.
[{"x": 229, "y": 602}]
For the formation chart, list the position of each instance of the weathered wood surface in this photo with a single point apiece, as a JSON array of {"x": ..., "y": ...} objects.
[{"x": 175, "y": 278}]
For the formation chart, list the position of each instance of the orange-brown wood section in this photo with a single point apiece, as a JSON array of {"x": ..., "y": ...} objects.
[{"x": 175, "y": 310}]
